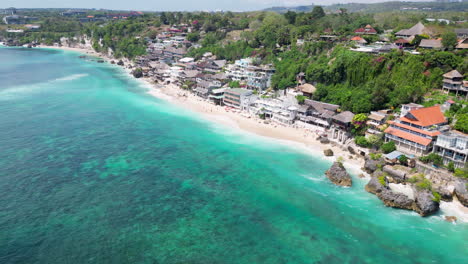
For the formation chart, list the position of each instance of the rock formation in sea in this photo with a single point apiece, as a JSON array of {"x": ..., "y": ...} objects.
[
  {"x": 338, "y": 175},
  {"x": 424, "y": 203},
  {"x": 328, "y": 152},
  {"x": 387, "y": 196}
]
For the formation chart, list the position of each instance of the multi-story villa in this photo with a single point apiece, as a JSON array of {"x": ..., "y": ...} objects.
[
  {"x": 453, "y": 82},
  {"x": 376, "y": 123},
  {"x": 453, "y": 147},
  {"x": 255, "y": 77},
  {"x": 238, "y": 98},
  {"x": 416, "y": 131},
  {"x": 282, "y": 111}
]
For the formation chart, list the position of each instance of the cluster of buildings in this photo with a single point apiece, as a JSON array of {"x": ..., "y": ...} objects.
[
  {"x": 422, "y": 130},
  {"x": 404, "y": 39}
]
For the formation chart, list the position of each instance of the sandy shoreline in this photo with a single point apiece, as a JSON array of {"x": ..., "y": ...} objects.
[
  {"x": 297, "y": 136},
  {"x": 291, "y": 136}
]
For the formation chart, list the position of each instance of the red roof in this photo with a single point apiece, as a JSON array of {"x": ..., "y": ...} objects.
[
  {"x": 366, "y": 30},
  {"x": 357, "y": 38},
  {"x": 425, "y": 117},
  {"x": 408, "y": 136},
  {"x": 401, "y": 41},
  {"x": 429, "y": 133}
]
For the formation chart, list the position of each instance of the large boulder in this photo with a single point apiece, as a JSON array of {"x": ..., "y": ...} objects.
[
  {"x": 371, "y": 165},
  {"x": 324, "y": 140},
  {"x": 397, "y": 176},
  {"x": 395, "y": 200},
  {"x": 461, "y": 191},
  {"x": 424, "y": 203},
  {"x": 120, "y": 63},
  {"x": 137, "y": 73},
  {"x": 338, "y": 175},
  {"x": 374, "y": 186},
  {"x": 446, "y": 191},
  {"x": 328, "y": 152}
]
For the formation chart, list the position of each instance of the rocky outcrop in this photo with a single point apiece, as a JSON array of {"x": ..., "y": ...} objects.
[
  {"x": 395, "y": 200},
  {"x": 370, "y": 165},
  {"x": 389, "y": 198},
  {"x": 338, "y": 175},
  {"x": 324, "y": 140},
  {"x": 424, "y": 203},
  {"x": 397, "y": 176},
  {"x": 374, "y": 186},
  {"x": 461, "y": 191},
  {"x": 137, "y": 73},
  {"x": 120, "y": 63},
  {"x": 328, "y": 152}
]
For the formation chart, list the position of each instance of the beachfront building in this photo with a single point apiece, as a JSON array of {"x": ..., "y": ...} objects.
[
  {"x": 238, "y": 98},
  {"x": 453, "y": 82},
  {"x": 216, "y": 96},
  {"x": 317, "y": 113},
  {"x": 204, "y": 88},
  {"x": 452, "y": 146},
  {"x": 416, "y": 131},
  {"x": 281, "y": 110},
  {"x": 340, "y": 131}
]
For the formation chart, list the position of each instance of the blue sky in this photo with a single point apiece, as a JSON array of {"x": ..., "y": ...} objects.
[{"x": 170, "y": 5}]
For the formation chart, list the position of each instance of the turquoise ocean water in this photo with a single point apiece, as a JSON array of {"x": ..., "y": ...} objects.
[{"x": 93, "y": 170}]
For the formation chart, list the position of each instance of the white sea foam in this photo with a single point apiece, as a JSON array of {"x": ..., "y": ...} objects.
[
  {"x": 454, "y": 208},
  {"x": 21, "y": 90},
  {"x": 70, "y": 77}
]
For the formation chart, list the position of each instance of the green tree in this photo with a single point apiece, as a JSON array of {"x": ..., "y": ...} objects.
[
  {"x": 317, "y": 12},
  {"x": 361, "y": 141},
  {"x": 403, "y": 160},
  {"x": 193, "y": 37},
  {"x": 449, "y": 40},
  {"x": 388, "y": 147},
  {"x": 359, "y": 123},
  {"x": 234, "y": 84},
  {"x": 301, "y": 99},
  {"x": 451, "y": 166},
  {"x": 462, "y": 123}
]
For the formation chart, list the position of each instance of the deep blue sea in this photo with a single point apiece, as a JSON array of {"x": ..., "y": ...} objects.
[{"x": 94, "y": 170}]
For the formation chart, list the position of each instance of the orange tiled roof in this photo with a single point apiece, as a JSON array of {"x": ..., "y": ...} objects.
[
  {"x": 408, "y": 136},
  {"x": 427, "y": 116},
  {"x": 429, "y": 133}
]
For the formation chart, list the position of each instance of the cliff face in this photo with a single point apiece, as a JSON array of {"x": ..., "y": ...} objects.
[
  {"x": 461, "y": 191},
  {"x": 338, "y": 175}
]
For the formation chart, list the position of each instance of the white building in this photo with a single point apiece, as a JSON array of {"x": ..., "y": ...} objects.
[{"x": 453, "y": 147}]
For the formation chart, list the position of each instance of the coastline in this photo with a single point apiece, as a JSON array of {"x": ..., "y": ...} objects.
[{"x": 296, "y": 137}]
